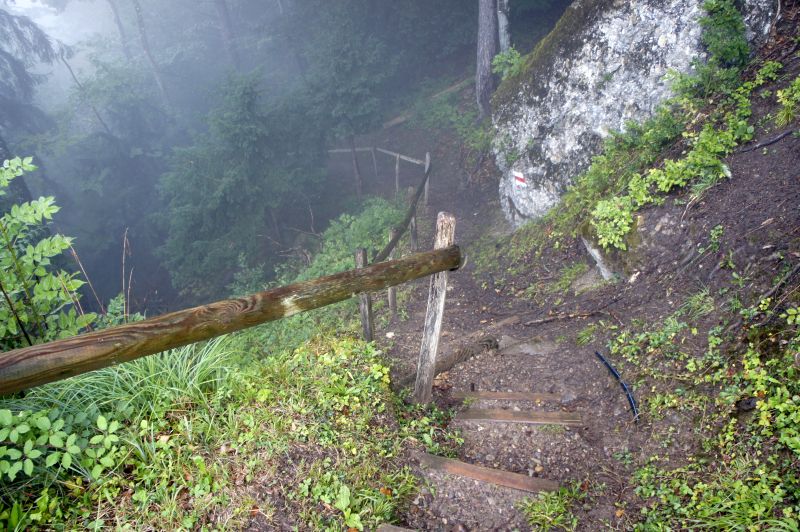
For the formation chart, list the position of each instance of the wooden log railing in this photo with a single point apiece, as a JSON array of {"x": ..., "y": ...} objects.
[
  {"x": 395, "y": 234},
  {"x": 353, "y": 151},
  {"x": 410, "y": 214},
  {"x": 40, "y": 364}
]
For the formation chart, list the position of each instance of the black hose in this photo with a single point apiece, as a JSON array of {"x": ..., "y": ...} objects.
[{"x": 624, "y": 385}]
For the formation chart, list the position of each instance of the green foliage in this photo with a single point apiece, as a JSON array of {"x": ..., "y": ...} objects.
[
  {"x": 728, "y": 50},
  {"x": 568, "y": 275},
  {"x": 177, "y": 379},
  {"x": 39, "y": 299},
  {"x": 746, "y": 472},
  {"x": 612, "y": 218},
  {"x": 368, "y": 229},
  {"x": 223, "y": 191},
  {"x": 552, "y": 510},
  {"x": 586, "y": 335},
  {"x": 508, "y": 64},
  {"x": 789, "y": 98},
  {"x": 40, "y": 448},
  {"x": 443, "y": 112}
]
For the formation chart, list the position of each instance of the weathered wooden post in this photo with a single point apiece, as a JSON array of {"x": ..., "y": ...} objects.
[
  {"x": 392, "y": 293},
  {"x": 356, "y": 169},
  {"x": 412, "y": 224},
  {"x": 365, "y": 301},
  {"x": 374, "y": 163},
  {"x": 428, "y": 180},
  {"x": 426, "y": 367},
  {"x": 397, "y": 175}
]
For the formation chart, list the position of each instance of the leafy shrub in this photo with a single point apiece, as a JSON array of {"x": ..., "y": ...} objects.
[
  {"x": 728, "y": 50},
  {"x": 38, "y": 302},
  {"x": 443, "y": 113},
  {"x": 789, "y": 98},
  {"x": 508, "y": 64},
  {"x": 612, "y": 218}
]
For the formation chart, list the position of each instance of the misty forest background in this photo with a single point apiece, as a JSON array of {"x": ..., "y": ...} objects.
[{"x": 191, "y": 137}]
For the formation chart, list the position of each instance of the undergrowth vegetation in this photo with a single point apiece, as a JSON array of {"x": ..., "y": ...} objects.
[
  {"x": 289, "y": 422},
  {"x": 716, "y": 375}
]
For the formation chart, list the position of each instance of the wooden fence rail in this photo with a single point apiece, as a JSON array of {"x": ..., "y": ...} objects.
[
  {"x": 40, "y": 364},
  {"x": 410, "y": 214}
]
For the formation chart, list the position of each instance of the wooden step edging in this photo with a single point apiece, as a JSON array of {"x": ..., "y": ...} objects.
[
  {"x": 511, "y": 416},
  {"x": 486, "y": 474},
  {"x": 507, "y": 396},
  {"x": 386, "y": 527}
]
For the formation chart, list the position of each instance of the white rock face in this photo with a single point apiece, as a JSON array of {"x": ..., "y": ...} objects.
[{"x": 604, "y": 66}]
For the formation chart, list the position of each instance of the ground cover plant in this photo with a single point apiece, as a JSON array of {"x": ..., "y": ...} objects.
[
  {"x": 714, "y": 369},
  {"x": 289, "y": 421}
]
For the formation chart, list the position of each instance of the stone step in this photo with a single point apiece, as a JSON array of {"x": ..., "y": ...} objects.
[
  {"x": 511, "y": 416},
  {"x": 486, "y": 474}
]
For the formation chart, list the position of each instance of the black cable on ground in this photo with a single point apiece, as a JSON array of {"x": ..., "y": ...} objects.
[{"x": 622, "y": 383}]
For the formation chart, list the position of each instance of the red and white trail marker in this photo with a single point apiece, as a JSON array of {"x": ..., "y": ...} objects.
[{"x": 519, "y": 179}]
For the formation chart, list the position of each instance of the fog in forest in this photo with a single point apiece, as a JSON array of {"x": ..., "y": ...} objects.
[{"x": 186, "y": 141}]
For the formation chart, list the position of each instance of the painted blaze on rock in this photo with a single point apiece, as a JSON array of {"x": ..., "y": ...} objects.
[{"x": 603, "y": 65}]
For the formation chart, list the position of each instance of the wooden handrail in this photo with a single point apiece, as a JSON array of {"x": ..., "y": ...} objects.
[
  {"x": 403, "y": 226},
  {"x": 40, "y": 364},
  {"x": 387, "y": 152}
]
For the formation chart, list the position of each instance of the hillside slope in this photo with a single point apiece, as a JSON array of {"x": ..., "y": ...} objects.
[{"x": 698, "y": 319}]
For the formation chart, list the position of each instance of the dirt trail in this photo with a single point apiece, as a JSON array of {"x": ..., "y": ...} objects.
[
  {"x": 530, "y": 359},
  {"x": 757, "y": 209}
]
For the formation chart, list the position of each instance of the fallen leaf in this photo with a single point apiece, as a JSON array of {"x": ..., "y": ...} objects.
[
  {"x": 386, "y": 491},
  {"x": 619, "y": 513}
]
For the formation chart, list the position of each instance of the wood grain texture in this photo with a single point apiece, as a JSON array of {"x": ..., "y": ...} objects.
[
  {"x": 426, "y": 365},
  {"x": 386, "y": 527},
  {"x": 486, "y": 474},
  {"x": 510, "y": 416},
  {"x": 507, "y": 396},
  {"x": 40, "y": 364}
]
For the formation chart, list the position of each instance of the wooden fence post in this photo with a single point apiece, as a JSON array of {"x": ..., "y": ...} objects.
[
  {"x": 365, "y": 301},
  {"x": 412, "y": 226},
  {"x": 392, "y": 294},
  {"x": 428, "y": 181},
  {"x": 356, "y": 169},
  {"x": 397, "y": 176},
  {"x": 374, "y": 163},
  {"x": 426, "y": 366}
]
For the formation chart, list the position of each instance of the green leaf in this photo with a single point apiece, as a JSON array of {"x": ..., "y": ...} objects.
[
  {"x": 28, "y": 467},
  {"x": 6, "y": 418},
  {"x": 56, "y": 440},
  {"x": 52, "y": 459},
  {"x": 343, "y": 498},
  {"x": 102, "y": 423},
  {"x": 66, "y": 460},
  {"x": 43, "y": 423}
]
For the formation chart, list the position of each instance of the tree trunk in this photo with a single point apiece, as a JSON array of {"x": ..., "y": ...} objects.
[
  {"x": 162, "y": 90},
  {"x": 226, "y": 28},
  {"x": 123, "y": 37},
  {"x": 502, "y": 25},
  {"x": 487, "y": 49}
]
